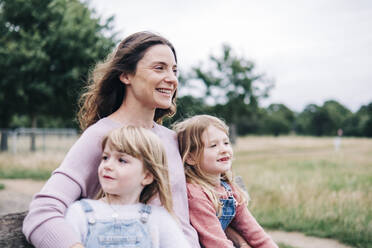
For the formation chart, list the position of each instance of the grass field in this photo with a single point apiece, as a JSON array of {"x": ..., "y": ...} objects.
[
  {"x": 295, "y": 183},
  {"x": 301, "y": 183}
]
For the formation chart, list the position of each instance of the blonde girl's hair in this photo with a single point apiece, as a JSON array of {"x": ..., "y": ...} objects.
[
  {"x": 105, "y": 92},
  {"x": 143, "y": 144},
  {"x": 189, "y": 134}
]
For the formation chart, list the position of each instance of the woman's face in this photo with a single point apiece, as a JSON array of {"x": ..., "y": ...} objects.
[{"x": 155, "y": 80}]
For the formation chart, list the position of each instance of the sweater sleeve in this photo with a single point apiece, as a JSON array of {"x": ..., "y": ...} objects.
[
  {"x": 44, "y": 225},
  {"x": 247, "y": 226},
  {"x": 203, "y": 218}
]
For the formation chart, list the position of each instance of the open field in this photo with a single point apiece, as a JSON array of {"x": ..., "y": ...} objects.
[
  {"x": 296, "y": 183},
  {"x": 301, "y": 183}
]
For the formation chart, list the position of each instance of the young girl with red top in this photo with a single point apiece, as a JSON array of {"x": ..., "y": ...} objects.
[{"x": 215, "y": 201}]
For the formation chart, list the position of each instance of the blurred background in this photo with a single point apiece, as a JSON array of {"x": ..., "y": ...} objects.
[{"x": 291, "y": 78}]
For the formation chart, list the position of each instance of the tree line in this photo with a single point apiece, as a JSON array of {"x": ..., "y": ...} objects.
[{"x": 48, "y": 46}]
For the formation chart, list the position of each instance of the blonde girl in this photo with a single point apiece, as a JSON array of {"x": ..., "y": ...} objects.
[
  {"x": 215, "y": 201},
  {"x": 132, "y": 171}
]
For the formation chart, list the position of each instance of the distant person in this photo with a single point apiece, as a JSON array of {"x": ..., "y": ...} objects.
[
  {"x": 133, "y": 170},
  {"x": 135, "y": 86},
  {"x": 215, "y": 201},
  {"x": 337, "y": 140}
]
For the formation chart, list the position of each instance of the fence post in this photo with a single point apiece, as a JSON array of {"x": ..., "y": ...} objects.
[
  {"x": 4, "y": 140},
  {"x": 43, "y": 135},
  {"x": 33, "y": 140},
  {"x": 14, "y": 141}
]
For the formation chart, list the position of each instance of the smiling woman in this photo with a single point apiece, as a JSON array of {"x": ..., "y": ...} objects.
[
  {"x": 154, "y": 82},
  {"x": 135, "y": 86}
]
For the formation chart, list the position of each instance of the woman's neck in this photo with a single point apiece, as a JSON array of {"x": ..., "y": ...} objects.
[{"x": 133, "y": 115}]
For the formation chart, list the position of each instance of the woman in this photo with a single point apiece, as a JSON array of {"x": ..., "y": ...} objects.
[{"x": 135, "y": 86}]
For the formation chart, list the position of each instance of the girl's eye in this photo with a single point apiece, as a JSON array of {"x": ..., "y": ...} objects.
[
  {"x": 104, "y": 157},
  {"x": 213, "y": 145},
  {"x": 121, "y": 160},
  {"x": 227, "y": 143},
  {"x": 175, "y": 71}
]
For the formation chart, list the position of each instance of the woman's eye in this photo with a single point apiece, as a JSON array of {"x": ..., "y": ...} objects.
[
  {"x": 175, "y": 71},
  {"x": 159, "y": 67}
]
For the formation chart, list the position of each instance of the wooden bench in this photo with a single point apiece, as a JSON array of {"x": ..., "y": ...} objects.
[{"x": 11, "y": 235}]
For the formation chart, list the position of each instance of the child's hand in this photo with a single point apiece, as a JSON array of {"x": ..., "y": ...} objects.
[{"x": 236, "y": 238}]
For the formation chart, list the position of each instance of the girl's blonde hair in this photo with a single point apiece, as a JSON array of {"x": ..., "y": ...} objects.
[
  {"x": 189, "y": 134},
  {"x": 143, "y": 144},
  {"x": 105, "y": 92}
]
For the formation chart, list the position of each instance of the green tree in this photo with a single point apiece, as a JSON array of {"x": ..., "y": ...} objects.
[
  {"x": 360, "y": 123},
  {"x": 322, "y": 120},
  {"x": 337, "y": 115},
  {"x": 279, "y": 119},
  {"x": 305, "y": 121},
  {"x": 46, "y": 49},
  {"x": 187, "y": 106},
  {"x": 233, "y": 85}
]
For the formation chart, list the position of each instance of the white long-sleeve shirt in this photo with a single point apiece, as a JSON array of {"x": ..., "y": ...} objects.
[{"x": 164, "y": 230}]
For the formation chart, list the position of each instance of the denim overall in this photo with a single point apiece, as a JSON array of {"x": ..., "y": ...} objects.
[
  {"x": 228, "y": 206},
  {"x": 114, "y": 233}
]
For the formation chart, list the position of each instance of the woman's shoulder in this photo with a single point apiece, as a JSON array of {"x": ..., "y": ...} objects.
[
  {"x": 101, "y": 127},
  {"x": 164, "y": 131}
]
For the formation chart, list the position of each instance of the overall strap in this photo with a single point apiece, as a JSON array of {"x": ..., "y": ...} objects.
[
  {"x": 227, "y": 188},
  {"x": 145, "y": 211},
  {"x": 88, "y": 211},
  {"x": 86, "y": 206}
]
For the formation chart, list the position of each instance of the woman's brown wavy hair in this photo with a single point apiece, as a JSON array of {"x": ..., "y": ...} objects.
[{"x": 105, "y": 92}]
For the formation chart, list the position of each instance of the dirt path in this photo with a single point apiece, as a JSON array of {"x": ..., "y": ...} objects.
[
  {"x": 18, "y": 193},
  {"x": 299, "y": 240}
]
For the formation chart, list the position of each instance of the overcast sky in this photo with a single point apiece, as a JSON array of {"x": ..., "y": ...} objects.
[{"x": 314, "y": 50}]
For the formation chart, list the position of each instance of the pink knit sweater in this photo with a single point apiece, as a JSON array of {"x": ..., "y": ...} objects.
[
  {"x": 203, "y": 218},
  {"x": 77, "y": 178}
]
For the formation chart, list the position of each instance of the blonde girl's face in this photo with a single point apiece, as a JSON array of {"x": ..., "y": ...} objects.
[
  {"x": 217, "y": 154},
  {"x": 122, "y": 176}
]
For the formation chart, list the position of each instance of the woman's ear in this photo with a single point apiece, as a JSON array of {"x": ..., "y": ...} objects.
[
  {"x": 124, "y": 78},
  {"x": 148, "y": 179}
]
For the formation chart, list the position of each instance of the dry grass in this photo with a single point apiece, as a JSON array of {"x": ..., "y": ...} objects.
[
  {"x": 302, "y": 183},
  {"x": 37, "y": 165}
]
